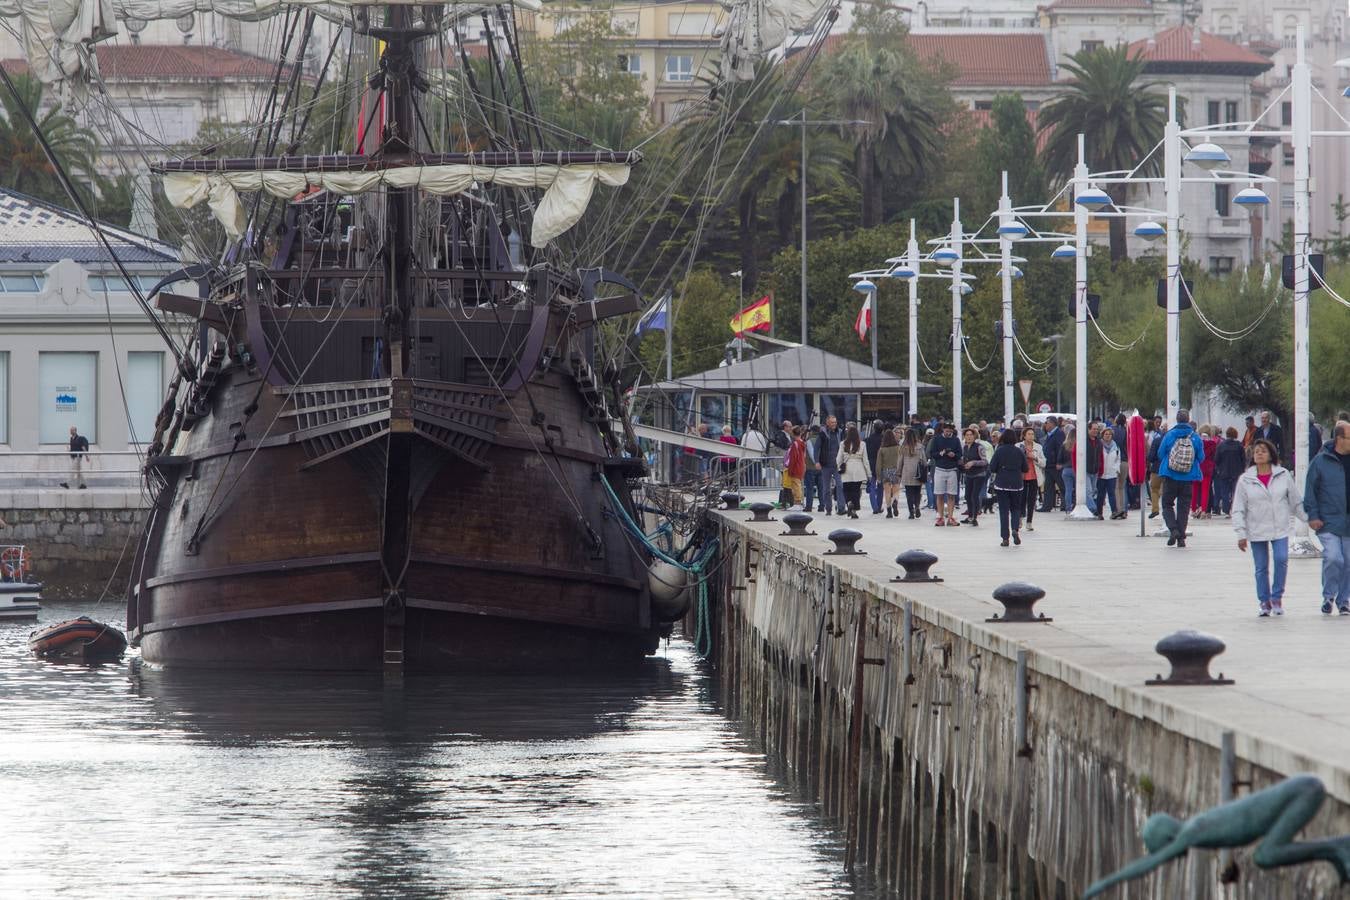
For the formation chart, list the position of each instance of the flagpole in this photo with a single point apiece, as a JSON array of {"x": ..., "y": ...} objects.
[
  {"x": 875, "y": 302},
  {"x": 670, "y": 327}
]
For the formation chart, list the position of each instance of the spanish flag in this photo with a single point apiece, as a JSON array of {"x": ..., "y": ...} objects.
[{"x": 758, "y": 316}]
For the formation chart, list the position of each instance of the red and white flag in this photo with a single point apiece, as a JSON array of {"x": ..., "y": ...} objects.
[{"x": 864, "y": 320}]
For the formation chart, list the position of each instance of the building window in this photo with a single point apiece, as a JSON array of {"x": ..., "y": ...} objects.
[
  {"x": 1221, "y": 205},
  {"x": 1290, "y": 28},
  {"x": 690, "y": 24},
  {"x": 1286, "y": 113},
  {"x": 117, "y": 285},
  {"x": 843, "y": 407},
  {"x": 67, "y": 395},
  {"x": 679, "y": 68},
  {"x": 1230, "y": 111},
  {"x": 1220, "y": 265},
  {"x": 1213, "y": 109},
  {"x": 984, "y": 104},
  {"x": 630, "y": 63},
  {"x": 1225, "y": 24},
  {"x": 1089, "y": 46},
  {"x": 145, "y": 393}
]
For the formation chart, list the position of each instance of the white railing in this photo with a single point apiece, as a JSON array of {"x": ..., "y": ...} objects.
[{"x": 49, "y": 468}]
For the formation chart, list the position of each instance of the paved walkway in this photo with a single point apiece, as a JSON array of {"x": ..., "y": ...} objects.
[{"x": 1113, "y": 594}]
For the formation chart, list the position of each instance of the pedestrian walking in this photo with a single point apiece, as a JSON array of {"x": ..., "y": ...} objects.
[
  {"x": 1035, "y": 474},
  {"x": 888, "y": 473},
  {"x": 975, "y": 469},
  {"x": 873, "y": 443},
  {"x": 757, "y": 443},
  {"x": 1153, "y": 439},
  {"x": 854, "y": 470},
  {"x": 1230, "y": 461},
  {"x": 811, "y": 483},
  {"x": 945, "y": 455},
  {"x": 1179, "y": 455},
  {"x": 1007, "y": 472},
  {"x": 914, "y": 471},
  {"x": 794, "y": 467},
  {"x": 1265, "y": 499},
  {"x": 827, "y": 452},
  {"x": 1200, "y": 498},
  {"x": 1325, "y": 502},
  {"x": 79, "y": 449},
  {"x": 928, "y": 469},
  {"x": 1108, "y": 475},
  {"x": 1053, "y": 447},
  {"x": 1068, "y": 464}
]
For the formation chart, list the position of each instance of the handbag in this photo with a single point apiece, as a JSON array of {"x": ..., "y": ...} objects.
[{"x": 843, "y": 467}]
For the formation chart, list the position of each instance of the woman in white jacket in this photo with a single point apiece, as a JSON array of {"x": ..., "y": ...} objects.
[
  {"x": 854, "y": 469},
  {"x": 1266, "y": 500}
]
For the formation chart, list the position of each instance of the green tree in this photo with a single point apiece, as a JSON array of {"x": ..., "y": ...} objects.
[
  {"x": 1120, "y": 116},
  {"x": 875, "y": 78},
  {"x": 1008, "y": 144},
  {"x": 24, "y": 166}
]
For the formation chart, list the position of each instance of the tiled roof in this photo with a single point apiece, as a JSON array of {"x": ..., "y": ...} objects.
[
  {"x": 1178, "y": 47},
  {"x": 1004, "y": 60},
  {"x": 170, "y": 61},
  {"x": 32, "y": 230},
  {"x": 1099, "y": 4}
]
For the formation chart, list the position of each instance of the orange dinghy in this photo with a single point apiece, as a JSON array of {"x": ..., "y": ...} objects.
[{"x": 81, "y": 638}]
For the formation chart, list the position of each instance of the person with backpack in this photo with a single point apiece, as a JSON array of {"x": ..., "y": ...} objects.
[{"x": 1179, "y": 455}]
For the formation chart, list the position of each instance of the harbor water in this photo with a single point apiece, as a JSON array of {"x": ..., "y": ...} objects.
[{"x": 125, "y": 780}]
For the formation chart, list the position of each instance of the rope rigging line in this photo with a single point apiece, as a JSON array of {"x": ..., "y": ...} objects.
[
  {"x": 965, "y": 347},
  {"x": 1223, "y": 333}
]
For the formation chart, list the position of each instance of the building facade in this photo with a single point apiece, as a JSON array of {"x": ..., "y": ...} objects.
[
  {"x": 667, "y": 46},
  {"x": 75, "y": 347}
]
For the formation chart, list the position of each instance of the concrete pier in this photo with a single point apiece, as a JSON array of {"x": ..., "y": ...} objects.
[{"x": 930, "y": 781}]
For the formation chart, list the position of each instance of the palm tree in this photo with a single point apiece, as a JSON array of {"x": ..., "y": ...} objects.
[
  {"x": 24, "y": 165},
  {"x": 1120, "y": 117},
  {"x": 758, "y": 161},
  {"x": 876, "y": 80}
]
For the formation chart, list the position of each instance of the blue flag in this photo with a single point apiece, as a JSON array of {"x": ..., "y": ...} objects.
[{"x": 654, "y": 319}]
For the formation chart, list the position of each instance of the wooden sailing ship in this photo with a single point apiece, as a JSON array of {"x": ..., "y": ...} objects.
[{"x": 390, "y": 446}]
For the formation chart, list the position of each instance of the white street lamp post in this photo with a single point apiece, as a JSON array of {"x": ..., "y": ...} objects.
[
  {"x": 1080, "y": 224},
  {"x": 956, "y": 313},
  {"x": 1005, "y": 252},
  {"x": 1172, "y": 188},
  {"x": 1302, "y": 544},
  {"x": 913, "y": 254}
]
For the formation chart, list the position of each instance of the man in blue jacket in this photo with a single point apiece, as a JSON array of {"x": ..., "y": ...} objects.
[
  {"x": 1178, "y": 480},
  {"x": 827, "y": 453},
  {"x": 1328, "y": 507}
]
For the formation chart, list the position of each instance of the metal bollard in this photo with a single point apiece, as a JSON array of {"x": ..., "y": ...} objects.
[
  {"x": 1189, "y": 652},
  {"x": 916, "y": 564},
  {"x": 845, "y": 542},
  {"x": 1018, "y": 597},
  {"x": 760, "y": 512},
  {"x": 796, "y": 523},
  {"x": 731, "y": 500}
]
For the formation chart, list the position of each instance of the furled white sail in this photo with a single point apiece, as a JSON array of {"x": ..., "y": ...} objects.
[
  {"x": 756, "y": 28},
  {"x": 59, "y": 34},
  {"x": 568, "y": 189}
]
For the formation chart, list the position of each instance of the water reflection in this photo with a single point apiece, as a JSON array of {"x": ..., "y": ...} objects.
[{"x": 201, "y": 783}]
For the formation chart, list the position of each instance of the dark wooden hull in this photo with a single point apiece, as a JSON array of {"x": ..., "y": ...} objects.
[{"x": 272, "y": 551}]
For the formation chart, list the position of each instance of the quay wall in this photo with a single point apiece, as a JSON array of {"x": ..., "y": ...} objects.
[
  {"x": 926, "y": 778},
  {"x": 76, "y": 538}
]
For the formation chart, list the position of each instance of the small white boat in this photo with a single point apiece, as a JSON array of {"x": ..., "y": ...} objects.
[{"x": 20, "y": 595}]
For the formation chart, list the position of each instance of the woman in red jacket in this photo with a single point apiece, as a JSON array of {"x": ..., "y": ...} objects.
[
  {"x": 795, "y": 469},
  {"x": 1200, "y": 498}
]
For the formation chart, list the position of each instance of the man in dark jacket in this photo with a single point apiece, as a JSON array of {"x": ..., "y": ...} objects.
[
  {"x": 1054, "y": 443},
  {"x": 79, "y": 448},
  {"x": 1230, "y": 461},
  {"x": 1094, "y": 464},
  {"x": 944, "y": 455},
  {"x": 1272, "y": 432},
  {"x": 827, "y": 463},
  {"x": 1325, "y": 501},
  {"x": 873, "y": 442}
]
